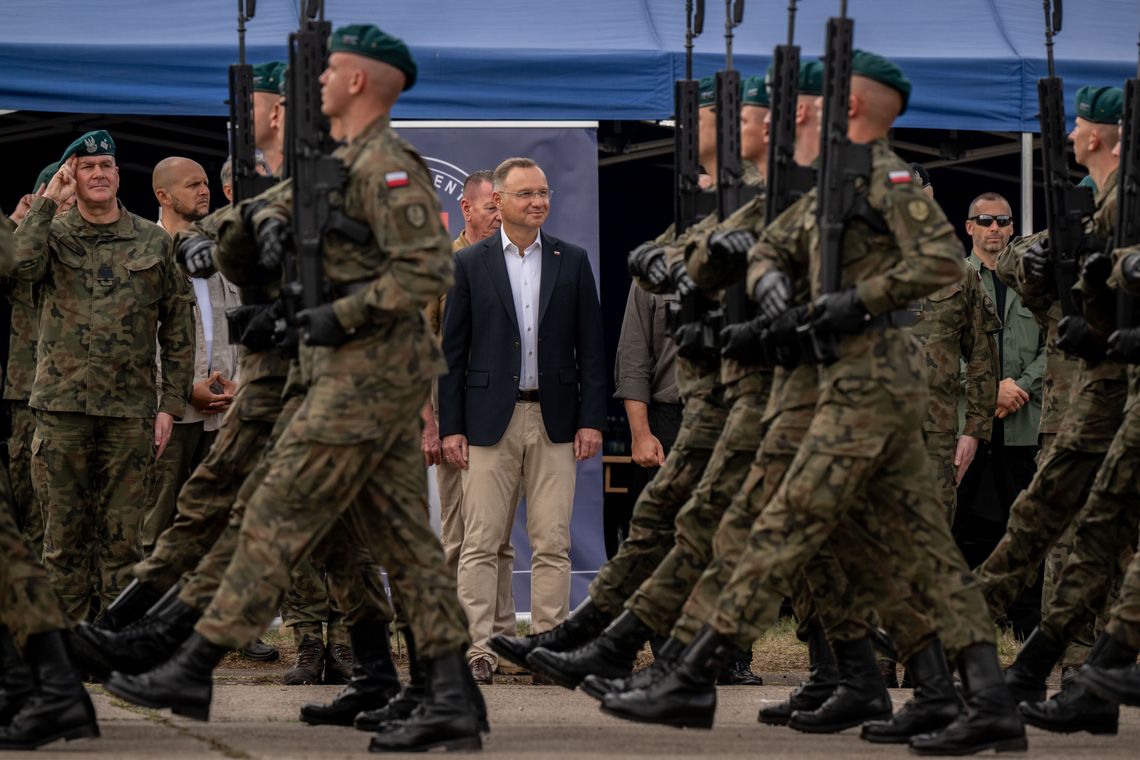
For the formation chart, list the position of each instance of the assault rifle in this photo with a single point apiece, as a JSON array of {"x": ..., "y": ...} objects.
[
  {"x": 686, "y": 148},
  {"x": 842, "y": 163},
  {"x": 243, "y": 155},
  {"x": 787, "y": 180},
  {"x": 1128, "y": 193},
  {"x": 315, "y": 172},
  {"x": 1065, "y": 204}
]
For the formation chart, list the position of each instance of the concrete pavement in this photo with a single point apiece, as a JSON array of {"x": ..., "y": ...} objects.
[{"x": 257, "y": 720}]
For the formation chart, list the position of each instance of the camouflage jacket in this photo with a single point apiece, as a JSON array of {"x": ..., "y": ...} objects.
[
  {"x": 23, "y": 334},
  {"x": 693, "y": 378},
  {"x": 1117, "y": 279},
  {"x": 7, "y": 246},
  {"x": 956, "y": 327},
  {"x": 109, "y": 291},
  {"x": 356, "y": 388},
  {"x": 916, "y": 255}
]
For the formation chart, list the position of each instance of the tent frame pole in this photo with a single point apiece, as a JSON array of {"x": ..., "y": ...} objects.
[{"x": 1026, "y": 183}]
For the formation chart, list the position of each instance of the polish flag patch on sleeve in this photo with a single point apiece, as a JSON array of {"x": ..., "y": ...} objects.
[
  {"x": 900, "y": 176},
  {"x": 400, "y": 179}
]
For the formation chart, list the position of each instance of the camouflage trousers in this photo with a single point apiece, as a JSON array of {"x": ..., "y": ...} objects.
[
  {"x": 98, "y": 474},
  {"x": 368, "y": 502},
  {"x": 28, "y": 605},
  {"x": 940, "y": 449},
  {"x": 205, "y": 500},
  {"x": 25, "y": 506},
  {"x": 1060, "y": 487},
  {"x": 188, "y": 447},
  {"x": 1105, "y": 536},
  {"x": 658, "y": 601},
  {"x": 862, "y": 474},
  {"x": 651, "y": 529},
  {"x": 308, "y": 605}
]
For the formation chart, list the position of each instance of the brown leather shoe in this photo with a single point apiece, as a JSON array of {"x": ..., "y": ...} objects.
[{"x": 482, "y": 670}]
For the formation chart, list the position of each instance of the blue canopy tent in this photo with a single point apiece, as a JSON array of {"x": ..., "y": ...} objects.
[{"x": 974, "y": 63}]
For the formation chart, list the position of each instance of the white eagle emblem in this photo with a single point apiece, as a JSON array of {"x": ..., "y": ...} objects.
[{"x": 89, "y": 143}]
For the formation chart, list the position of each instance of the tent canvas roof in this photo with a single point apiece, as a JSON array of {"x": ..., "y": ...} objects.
[{"x": 974, "y": 63}]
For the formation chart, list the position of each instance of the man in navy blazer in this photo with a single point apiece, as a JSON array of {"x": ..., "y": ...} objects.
[{"x": 524, "y": 398}]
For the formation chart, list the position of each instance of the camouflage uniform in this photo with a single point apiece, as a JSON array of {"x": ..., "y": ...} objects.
[
  {"x": 651, "y": 528},
  {"x": 206, "y": 498},
  {"x": 658, "y": 601},
  {"x": 862, "y": 456},
  {"x": 348, "y": 464},
  {"x": 20, "y": 373},
  {"x": 956, "y": 325},
  {"x": 1118, "y": 482},
  {"x": 1065, "y": 475},
  {"x": 28, "y": 605},
  {"x": 108, "y": 292}
]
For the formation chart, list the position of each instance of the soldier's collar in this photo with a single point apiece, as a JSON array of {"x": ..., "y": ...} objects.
[{"x": 122, "y": 228}]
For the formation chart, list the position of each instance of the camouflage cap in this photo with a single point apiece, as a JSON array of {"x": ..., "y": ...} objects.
[
  {"x": 368, "y": 41},
  {"x": 97, "y": 143},
  {"x": 707, "y": 95},
  {"x": 269, "y": 77},
  {"x": 754, "y": 93},
  {"x": 46, "y": 175},
  {"x": 1101, "y": 105},
  {"x": 881, "y": 70}
]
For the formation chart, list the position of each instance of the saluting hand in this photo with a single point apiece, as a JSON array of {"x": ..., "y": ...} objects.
[{"x": 62, "y": 184}]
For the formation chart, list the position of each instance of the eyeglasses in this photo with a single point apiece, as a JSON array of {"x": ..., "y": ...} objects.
[
  {"x": 987, "y": 220},
  {"x": 527, "y": 195}
]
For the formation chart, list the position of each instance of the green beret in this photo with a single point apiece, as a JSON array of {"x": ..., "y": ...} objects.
[
  {"x": 282, "y": 90},
  {"x": 370, "y": 42},
  {"x": 46, "y": 175},
  {"x": 269, "y": 77},
  {"x": 1102, "y": 105},
  {"x": 881, "y": 70},
  {"x": 707, "y": 95},
  {"x": 811, "y": 78},
  {"x": 754, "y": 93},
  {"x": 97, "y": 143}
]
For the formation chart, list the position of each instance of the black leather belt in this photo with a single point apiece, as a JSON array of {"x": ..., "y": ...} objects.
[{"x": 531, "y": 396}]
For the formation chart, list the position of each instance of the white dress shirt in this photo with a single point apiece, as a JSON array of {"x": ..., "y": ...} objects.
[{"x": 525, "y": 273}]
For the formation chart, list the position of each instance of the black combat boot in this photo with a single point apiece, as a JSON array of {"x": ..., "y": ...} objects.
[
  {"x": 991, "y": 719},
  {"x": 823, "y": 679},
  {"x": 400, "y": 707},
  {"x": 583, "y": 624},
  {"x": 860, "y": 696},
  {"x": 667, "y": 655},
  {"x": 934, "y": 706},
  {"x": 449, "y": 718},
  {"x": 610, "y": 654},
  {"x": 1116, "y": 683},
  {"x": 184, "y": 683},
  {"x": 16, "y": 683},
  {"x": 683, "y": 696},
  {"x": 738, "y": 672},
  {"x": 59, "y": 707},
  {"x": 1076, "y": 708},
  {"x": 148, "y": 642},
  {"x": 259, "y": 651},
  {"x": 374, "y": 680},
  {"x": 131, "y": 604},
  {"x": 1035, "y": 661}
]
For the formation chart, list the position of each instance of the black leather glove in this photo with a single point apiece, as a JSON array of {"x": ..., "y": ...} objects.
[
  {"x": 730, "y": 244},
  {"x": 773, "y": 294},
  {"x": 274, "y": 237},
  {"x": 1096, "y": 269},
  {"x": 1130, "y": 268},
  {"x": 743, "y": 341},
  {"x": 689, "y": 340},
  {"x": 1037, "y": 264},
  {"x": 1124, "y": 346},
  {"x": 647, "y": 261},
  {"x": 196, "y": 252},
  {"x": 1076, "y": 338},
  {"x": 839, "y": 313},
  {"x": 320, "y": 327},
  {"x": 682, "y": 283}
]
